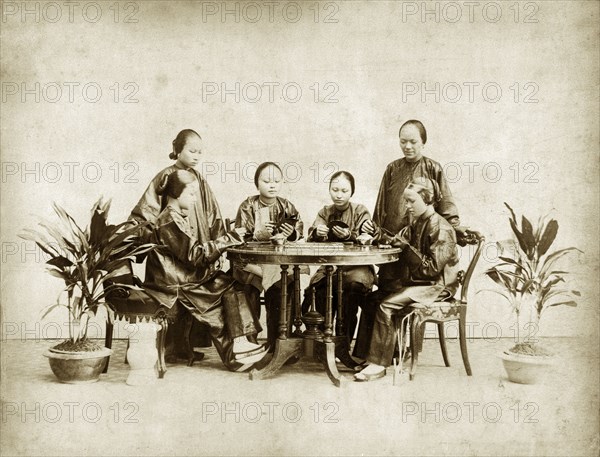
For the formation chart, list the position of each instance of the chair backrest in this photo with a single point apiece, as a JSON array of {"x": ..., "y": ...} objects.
[{"x": 471, "y": 238}]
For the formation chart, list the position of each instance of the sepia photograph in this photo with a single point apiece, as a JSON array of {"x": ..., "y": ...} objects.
[{"x": 299, "y": 228}]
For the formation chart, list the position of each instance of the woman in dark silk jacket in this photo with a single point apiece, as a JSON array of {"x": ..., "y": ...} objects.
[{"x": 390, "y": 214}]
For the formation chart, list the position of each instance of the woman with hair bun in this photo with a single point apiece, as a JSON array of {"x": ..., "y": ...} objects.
[
  {"x": 341, "y": 221},
  {"x": 204, "y": 216},
  {"x": 184, "y": 271},
  {"x": 429, "y": 261},
  {"x": 391, "y": 215}
]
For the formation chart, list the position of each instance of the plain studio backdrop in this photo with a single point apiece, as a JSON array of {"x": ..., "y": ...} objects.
[{"x": 93, "y": 93}]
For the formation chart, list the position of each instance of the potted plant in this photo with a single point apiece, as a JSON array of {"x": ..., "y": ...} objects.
[
  {"x": 531, "y": 284},
  {"x": 85, "y": 259}
]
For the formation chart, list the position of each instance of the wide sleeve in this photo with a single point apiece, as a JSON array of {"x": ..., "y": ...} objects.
[
  {"x": 245, "y": 216},
  {"x": 321, "y": 219},
  {"x": 360, "y": 216},
  {"x": 446, "y": 206},
  {"x": 441, "y": 249},
  {"x": 216, "y": 225},
  {"x": 381, "y": 203},
  {"x": 292, "y": 212},
  {"x": 148, "y": 207},
  {"x": 193, "y": 253}
]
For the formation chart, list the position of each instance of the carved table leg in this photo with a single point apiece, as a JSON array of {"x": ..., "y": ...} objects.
[
  {"x": 328, "y": 299},
  {"x": 162, "y": 337},
  {"x": 325, "y": 352},
  {"x": 283, "y": 314},
  {"x": 284, "y": 350},
  {"x": 297, "y": 305},
  {"x": 329, "y": 362},
  {"x": 340, "y": 327}
]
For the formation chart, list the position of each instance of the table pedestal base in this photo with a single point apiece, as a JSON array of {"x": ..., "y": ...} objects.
[{"x": 323, "y": 351}]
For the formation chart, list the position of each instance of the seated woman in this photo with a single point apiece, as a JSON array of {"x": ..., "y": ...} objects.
[
  {"x": 430, "y": 263},
  {"x": 186, "y": 271},
  {"x": 341, "y": 222},
  {"x": 262, "y": 216},
  {"x": 390, "y": 211}
]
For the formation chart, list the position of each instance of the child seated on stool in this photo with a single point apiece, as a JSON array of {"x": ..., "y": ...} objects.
[
  {"x": 430, "y": 261},
  {"x": 186, "y": 271}
]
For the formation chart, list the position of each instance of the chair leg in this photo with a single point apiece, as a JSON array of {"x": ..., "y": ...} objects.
[
  {"x": 126, "y": 350},
  {"x": 161, "y": 338},
  {"x": 187, "y": 334},
  {"x": 414, "y": 345},
  {"x": 108, "y": 338},
  {"x": 462, "y": 334},
  {"x": 442, "y": 336}
]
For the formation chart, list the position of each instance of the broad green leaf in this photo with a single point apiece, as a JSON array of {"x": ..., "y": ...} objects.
[
  {"x": 565, "y": 303},
  {"x": 528, "y": 236},
  {"x": 548, "y": 237},
  {"x": 519, "y": 235},
  {"x": 51, "y": 308},
  {"x": 512, "y": 213},
  {"x": 60, "y": 262},
  {"x": 549, "y": 261}
]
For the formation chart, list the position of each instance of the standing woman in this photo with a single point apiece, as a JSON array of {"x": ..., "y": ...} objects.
[
  {"x": 391, "y": 211},
  {"x": 204, "y": 216}
]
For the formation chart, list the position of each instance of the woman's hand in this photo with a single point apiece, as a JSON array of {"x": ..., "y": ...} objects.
[
  {"x": 368, "y": 227},
  {"x": 461, "y": 229},
  {"x": 322, "y": 231},
  {"x": 269, "y": 227},
  {"x": 286, "y": 230},
  {"x": 341, "y": 233},
  {"x": 401, "y": 239}
]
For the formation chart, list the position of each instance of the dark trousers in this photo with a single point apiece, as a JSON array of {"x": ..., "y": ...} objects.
[
  {"x": 227, "y": 317},
  {"x": 383, "y": 340},
  {"x": 273, "y": 306},
  {"x": 367, "y": 321},
  {"x": 353, "y": 297}
]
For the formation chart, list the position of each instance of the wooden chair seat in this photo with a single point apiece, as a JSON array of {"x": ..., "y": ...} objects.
[{"x": 448, "y": 310}]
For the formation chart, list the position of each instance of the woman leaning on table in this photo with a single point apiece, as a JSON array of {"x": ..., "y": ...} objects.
[{"x": 391, "y": 213}]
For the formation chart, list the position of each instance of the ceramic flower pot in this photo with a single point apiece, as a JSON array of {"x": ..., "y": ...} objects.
[
  {"x": 78, "y": 367},
  {"x": 526, "y": 369}
]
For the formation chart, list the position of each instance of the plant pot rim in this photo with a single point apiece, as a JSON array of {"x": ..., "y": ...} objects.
[
  {"x": 526, "y": 358},
  {"x": 58, "y": 354}
]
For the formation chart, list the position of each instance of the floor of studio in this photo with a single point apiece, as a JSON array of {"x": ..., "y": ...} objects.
[{"x": 206, "y": 410}]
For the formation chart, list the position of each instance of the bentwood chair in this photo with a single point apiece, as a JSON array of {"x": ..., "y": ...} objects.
[{"x": 448, "y": 310}]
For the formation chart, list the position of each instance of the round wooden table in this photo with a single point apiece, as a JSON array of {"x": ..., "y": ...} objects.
[{"x": 311, "y": 342}]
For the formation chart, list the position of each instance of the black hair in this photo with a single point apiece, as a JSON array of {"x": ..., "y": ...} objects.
[
  {"x": 172, "y": 185},
  {"x": 346, "y": 175},
  {"x": 428, "y": 189},
  {"x": 180, "y": 140},
  {"x": 261, "y": 167},
  {"x": 420, "y": 127}
]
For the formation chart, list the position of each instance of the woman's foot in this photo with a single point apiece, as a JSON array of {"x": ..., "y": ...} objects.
[
  {"x": 246, "y": 352},
  {"x": 251, "y": 358},
  {"x": 241, "y": 345},
  {"x": 370, "y": 373}
]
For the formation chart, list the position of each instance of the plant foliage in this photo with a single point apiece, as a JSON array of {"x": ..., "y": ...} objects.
[
  {"x": 527, "y": 272},
  {"x": 85, "y": 259}
]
